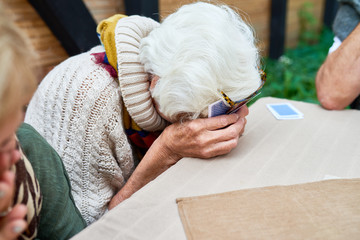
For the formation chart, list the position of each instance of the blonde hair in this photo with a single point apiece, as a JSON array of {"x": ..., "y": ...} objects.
[
  {"x": 17, "y": 79},
  {"x": 197, "y": 52}
]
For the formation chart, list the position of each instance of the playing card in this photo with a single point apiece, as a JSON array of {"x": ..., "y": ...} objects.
[
  {"x": 227, "y": 106},
  {"x": 220, "y": 107},
  {"x": 237, "y": 106},
  {"x": 284, "y": 111}
]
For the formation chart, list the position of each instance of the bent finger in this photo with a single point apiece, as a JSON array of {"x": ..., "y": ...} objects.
[
  {"x": 15, "y": 156},
  {"x": 8, "y": 178},
  {"x": 243, "y": 129},
  {"x": 12, "y": 229},
  {"x": 219, "y": 122},
  {"x": 219, "y": 148},
  {"x": 243, "y": 111},
  {"x": 230, "y": 132},
  {"x": 18, "y": 212},
  {"x": 5, "y": 162},
  {"x": 6, "y": 191}
]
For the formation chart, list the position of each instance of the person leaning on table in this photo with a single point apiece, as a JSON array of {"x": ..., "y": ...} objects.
[
  {"x": 338, "y": 79},
  {"x": 16, "y": 87},
  {"x": 35, "y": 197},
  {"x": 103, "y": 109}
]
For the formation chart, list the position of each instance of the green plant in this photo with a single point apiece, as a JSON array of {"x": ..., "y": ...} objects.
[
  {"x": 308, "y": 30},
  {"x": 292, "y": 76}
]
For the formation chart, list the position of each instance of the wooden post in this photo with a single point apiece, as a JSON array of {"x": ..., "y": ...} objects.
[
  {"x": 71, "y": 23},
  {"x": 277, "y": 28},
  {"x": 147, "y": 8}
]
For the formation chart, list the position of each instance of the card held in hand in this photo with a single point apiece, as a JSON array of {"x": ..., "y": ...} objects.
[
  {"x": 220, "y": 107},
  {"x": 227, "y": 106}
]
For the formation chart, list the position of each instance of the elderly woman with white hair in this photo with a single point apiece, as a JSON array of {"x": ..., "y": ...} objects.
[{"x": 124, "y": 112}]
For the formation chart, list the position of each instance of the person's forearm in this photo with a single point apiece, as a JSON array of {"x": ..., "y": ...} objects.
[
  {"x": 156, "y": 161},
  {"x": 200, "y": 138},
  {"x": 338, "y": 79}
]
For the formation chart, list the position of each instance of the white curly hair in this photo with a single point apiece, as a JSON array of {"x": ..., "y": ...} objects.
[{"x": 197, "y": 52}]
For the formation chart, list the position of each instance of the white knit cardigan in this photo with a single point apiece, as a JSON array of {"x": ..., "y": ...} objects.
[{"x": 77, "y": 108}]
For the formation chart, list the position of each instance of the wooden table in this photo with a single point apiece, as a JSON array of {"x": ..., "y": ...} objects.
[{"x": 325, "y": 144}]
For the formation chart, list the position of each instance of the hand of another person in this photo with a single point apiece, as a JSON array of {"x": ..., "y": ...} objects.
[
  {"x": 12, "y": 221},
  {"x": 13, "y": 224},
  {"x": 205, "y": 138},
  {"x": 9, "y": 155},
  {"x": 338, "y": 81}
]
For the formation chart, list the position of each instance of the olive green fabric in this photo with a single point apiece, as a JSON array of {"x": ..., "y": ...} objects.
[{"x": 59, "y": 217}]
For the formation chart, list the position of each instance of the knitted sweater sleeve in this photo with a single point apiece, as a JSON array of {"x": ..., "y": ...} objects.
[{"x": 77, "y": 109}]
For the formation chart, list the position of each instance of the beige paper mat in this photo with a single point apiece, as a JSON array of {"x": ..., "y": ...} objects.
[{"x": 319, "y": 210}]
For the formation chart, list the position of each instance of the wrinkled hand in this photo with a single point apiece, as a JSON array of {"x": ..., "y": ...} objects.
[
  {"x": 13, "y": 224},
  {"x": 205, "y": 138},
  {"x": 9, "y": 155},
  {"x": 201, "y": 138},
  {"x": 12, "y": 221}
]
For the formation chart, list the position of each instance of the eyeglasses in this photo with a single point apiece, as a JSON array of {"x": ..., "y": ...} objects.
[{"x": 235, "y": 105}]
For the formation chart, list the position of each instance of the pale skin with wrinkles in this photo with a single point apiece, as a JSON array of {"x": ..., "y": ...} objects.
[
  {"x": 338, "y": 79},
  {"x": 13, "y": 223},
  {"x": 199, "y": 138}
]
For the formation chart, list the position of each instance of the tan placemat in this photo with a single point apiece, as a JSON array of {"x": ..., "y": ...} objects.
[{"x": 319, "y": 210}]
